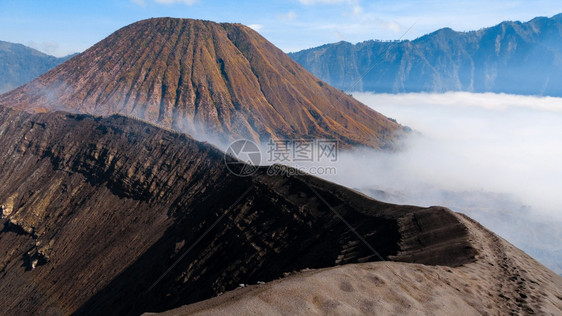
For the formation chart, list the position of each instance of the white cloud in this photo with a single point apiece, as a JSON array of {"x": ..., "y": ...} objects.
[
  {"x": 313, "y": 2},
  {"x": 488, "y": 142},
  {"x": 51, "y": 48},
  {"x": 289, "y": 16},
  {"x": 355, "y": 8},
  {"x": 139, "y": 2},
  {"x": 142, "y": 3},
  {"x": 488, "y": 101},
  {"x": 392, "y": 26},
  {"x": 339, "y": 35},
  {"x": 256, "y": 27},
  {"x": 188, "y": 2}
]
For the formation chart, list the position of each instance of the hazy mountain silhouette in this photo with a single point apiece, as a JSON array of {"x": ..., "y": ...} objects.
[
  {"x": 511, "y": 57},
  {"x": 20, "y": 64}
]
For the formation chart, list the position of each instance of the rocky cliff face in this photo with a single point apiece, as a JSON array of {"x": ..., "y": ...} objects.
[
  {"x": 512, "y": 57},
  {"x": 116, "y": 216},
  {"x": 203, "y": 78}
]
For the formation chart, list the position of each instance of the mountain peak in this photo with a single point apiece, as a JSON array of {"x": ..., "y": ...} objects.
[
  {"x": 204, "y": 78},
  {"x": 168, "y": 23},
  {"x": 445, "y": 32}
]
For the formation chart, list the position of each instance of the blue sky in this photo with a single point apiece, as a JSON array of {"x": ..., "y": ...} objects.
[{"x": 61, "y": 27}]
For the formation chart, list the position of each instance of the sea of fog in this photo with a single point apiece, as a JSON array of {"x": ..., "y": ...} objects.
[
  {"x": 494, "y": 157},
  {"x": 470, "y": 142}
]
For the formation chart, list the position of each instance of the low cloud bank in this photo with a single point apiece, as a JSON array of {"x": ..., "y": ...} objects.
[{"x": 494, "y": 143}]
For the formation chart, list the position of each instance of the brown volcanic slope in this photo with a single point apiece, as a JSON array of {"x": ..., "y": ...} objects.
[
  {"x": 95, "y": 210},
  {"x": 185, "y": 74}
]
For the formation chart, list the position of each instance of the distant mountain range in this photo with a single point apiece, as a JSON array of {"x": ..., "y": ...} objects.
[
  {"x": 511, "y": 57},
  {"x": 20, "y": 64}
]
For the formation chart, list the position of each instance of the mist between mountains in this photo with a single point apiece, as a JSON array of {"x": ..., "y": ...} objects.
[{"x": 288, "y": 157}]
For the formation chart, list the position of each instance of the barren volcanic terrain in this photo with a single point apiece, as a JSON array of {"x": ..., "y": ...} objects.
[
  {"x": 206, "y": 79},
  {"x": 122, "y": 214},
  {"x": 96, "y": 210}
]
